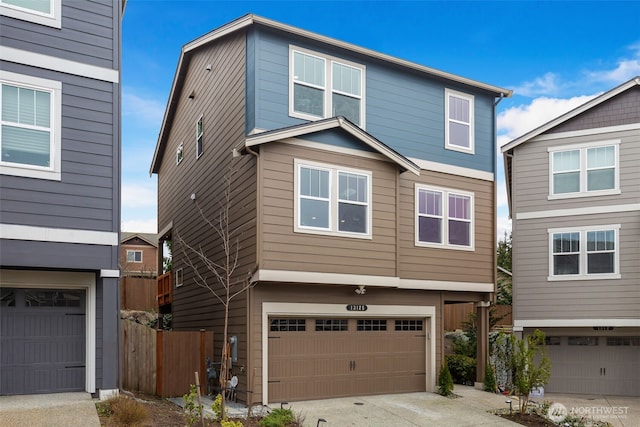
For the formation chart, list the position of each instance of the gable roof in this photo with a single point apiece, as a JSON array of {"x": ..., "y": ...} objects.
[
  {"x": 150, "y": 238},
  {"x": 571, "y": 114},
  {"x": 251, "y": 19},
  {"x": 332, "y": 123}
]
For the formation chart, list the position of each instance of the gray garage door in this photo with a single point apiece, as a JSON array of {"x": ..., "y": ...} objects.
[{"x": 42, "y": 340}]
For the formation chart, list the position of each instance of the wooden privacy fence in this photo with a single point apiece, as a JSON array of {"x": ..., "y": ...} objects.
[
  {"x": 138, "y": 293},
  {"x": 163, "y": 362},
  {"x": 455, "y": 314}
]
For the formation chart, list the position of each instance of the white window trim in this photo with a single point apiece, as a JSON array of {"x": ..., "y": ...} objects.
[
  {"x": 333, "y": 200},
  {"x": 200, "y": 135},
  {"x": 583, "y": 169},
  {"x": 179, "y": 154},
  {"x": 445, "y": 218},
  {"x": 583, "y": 275},
  {"x": 471, "y": 99},
  {"x": 52, "y": 172},
  {"x": 53, "y": 19},
  {"x": 134, "y": 256},
  {"x": 179, "y": 273},
  {"x": 328, "y": 85}
]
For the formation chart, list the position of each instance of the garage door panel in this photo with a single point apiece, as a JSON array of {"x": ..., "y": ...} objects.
[{"x": 322, "y": 363}]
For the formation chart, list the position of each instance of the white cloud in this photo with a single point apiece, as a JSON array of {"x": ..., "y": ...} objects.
[
  {"x": 516, "y": 121},
  {"x": 138, "y": 195},
  {"x": 625, "y": 69},
  {"x": 503, "y": 226},
  {"x": 140, "y": 225},
  {"x": 149, "y": 110},
  {"x": 545, "y": 85}
]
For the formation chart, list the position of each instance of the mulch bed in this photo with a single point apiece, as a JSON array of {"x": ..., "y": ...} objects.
[{"x": 530, "y": 420}]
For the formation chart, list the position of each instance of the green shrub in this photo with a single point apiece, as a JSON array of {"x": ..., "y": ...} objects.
[
  {"x": 462, "y": 368},
  {"x": 216, "y": 406},
  {"x": 490, "y": 379},
  {"x": 445, "y": 382},
  {"x": 279, "y": 417},
  {"x": 229, "y": 423},
  {"x": 192, "y": 409}
]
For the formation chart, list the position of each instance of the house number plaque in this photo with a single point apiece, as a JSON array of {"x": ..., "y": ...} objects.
[{"x": 356, "y": 307}]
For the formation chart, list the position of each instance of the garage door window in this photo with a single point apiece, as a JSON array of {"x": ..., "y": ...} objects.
[
  {"x": 585, "y": 341},
  {"x": 372, "y": 325},
  {"x": 552, "y": 340},
  {"x": 7, "y": 298},
  {"x": 408, "y": 325},
  {"x": 52, "y": 298},
  {"x": 623, "y": 341},
  {"x": 288, "y": 325},
  {"x": 327, "y": 325}
]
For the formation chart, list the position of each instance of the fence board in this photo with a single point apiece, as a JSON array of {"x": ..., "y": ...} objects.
[
  {"x": 138, "y": 293},
  {"x": 455, "y": 314},
  {"x": 163, "y": 362}
]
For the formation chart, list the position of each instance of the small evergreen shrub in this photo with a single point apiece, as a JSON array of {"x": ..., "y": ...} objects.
[
  {"x": 279, "y": 417},
  {"x": 462, "y": 368},
  {"x": 490, "y": 379},
  {"x": 216, "y": 406},
  {"x": 192, "y": 409},
  {"x": 229, "y": 423},
  {"x": 445, "y": 382}
]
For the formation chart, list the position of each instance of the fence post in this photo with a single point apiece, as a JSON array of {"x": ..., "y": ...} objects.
[
  {"x": 159, "y": 367},
  {"x": 203, "y": 345}
]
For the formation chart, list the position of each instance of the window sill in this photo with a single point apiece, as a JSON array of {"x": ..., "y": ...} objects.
[
  {"x": 584, "y": 194},
  {"x": 460, "y": 149},
  {"x": 443, "y": 246},
  {"x": 331, "y": 233},
  {"x": 566, "y": 278},
  {"x": 30, "y": 173}
]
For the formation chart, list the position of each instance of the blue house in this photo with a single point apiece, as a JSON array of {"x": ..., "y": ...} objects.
[
  {"x": 362, "y": 200},
  {"x": 59, "y": 195}
]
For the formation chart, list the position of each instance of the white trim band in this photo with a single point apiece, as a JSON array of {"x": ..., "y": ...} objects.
[
  {"x": 586, "y": 132},
  {"x": 57, "y": 235},
  {"x": 263, "y": 275},
  {"x": 58, "y": 64},
  {"x": 589, "y": 210},
  {"x": 568, "y": 323},
  {"x": 453, "y": 170},
  {"x": 114, "y": 274}
]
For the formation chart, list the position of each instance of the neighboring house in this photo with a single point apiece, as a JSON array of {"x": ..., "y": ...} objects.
[
  {"x": 363, "y": 199},
  {"x": 59, "y": 195},
  {"x": 573, "y": 187},
  {"x": 139, "y": 254}
]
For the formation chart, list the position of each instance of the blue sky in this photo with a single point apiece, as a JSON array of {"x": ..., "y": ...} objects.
[{"x": 554, "y": 55}]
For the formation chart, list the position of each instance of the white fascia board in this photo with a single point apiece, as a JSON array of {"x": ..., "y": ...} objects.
[
  {"x": 39, "y": 60},
  {"x": 440, "y": 285},
  {"x": 453, "y": 170},
  {"x": 574, "y": 323},
  {"x": 588, "y": 210},
  {"x": 58, "y": 235},
  {"x": 573, "y": 113}
]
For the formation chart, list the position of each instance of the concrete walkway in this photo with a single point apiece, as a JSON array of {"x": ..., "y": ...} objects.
[{"x": 49, "y": 410}]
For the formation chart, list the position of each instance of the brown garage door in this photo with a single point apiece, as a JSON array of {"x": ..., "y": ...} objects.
[{"x": 321, "y": 358}]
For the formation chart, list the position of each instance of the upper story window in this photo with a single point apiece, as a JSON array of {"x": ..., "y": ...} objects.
[
  {"x": 444, "y": 218},
  {"x": 584, "y": 170},
  {"x": 30, "y": 126},
  {"x": 199, "y": 134},
  {"x": 179, "y": 154},
  {"x": 584, "y": 253},
  {"x": 459, "y": 126},
  {"x": 322, "y": 86},
  {"x": 44, "y": 12},
  {"x": 134, "y": 256},
  {"x": 332, "y": 200}
]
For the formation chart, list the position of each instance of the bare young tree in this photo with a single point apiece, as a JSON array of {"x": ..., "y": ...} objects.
[{"x": 218, "y": 275}]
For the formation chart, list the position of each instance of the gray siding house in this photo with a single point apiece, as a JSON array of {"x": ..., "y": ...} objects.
[
  {"x": 574, "y": 193},
  {"x": 59, "y": 195},
  {"x": 363, "y": 198}
]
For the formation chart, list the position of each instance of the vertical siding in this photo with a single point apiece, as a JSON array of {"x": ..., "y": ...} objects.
[
  {"x": 284, "y": 249},
  {"x": 89, "y": 28},
  {"x": 219, "y": 97},
  {"x": 404, "y": 109},
  {"x": 448, "y": 264}
]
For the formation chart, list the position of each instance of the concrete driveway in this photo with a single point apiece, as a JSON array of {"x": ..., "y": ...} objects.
[
  {"x": 49, "y": 410},
  {"x": 472, "y": 408}
]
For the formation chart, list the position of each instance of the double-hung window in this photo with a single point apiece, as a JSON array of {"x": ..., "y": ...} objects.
[
  {"x": 322, "y": 86},
  {"x": 459, "y": 126},
  {"x": 332, "y": 200},
  {"x": 134, "y": 256},
  {"x": 30, "y": 126},
  {"x": 199, "y": 134},
  {"x": 584, "y": 170},
  {"x": 44, "y": 12},
  {"x": 584, "y": 253},
  {"x": 444, "y": 218}
]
